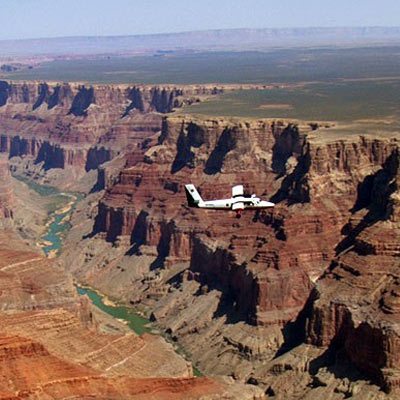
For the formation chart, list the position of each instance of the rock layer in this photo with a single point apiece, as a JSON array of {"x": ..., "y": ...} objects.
[
  {"x": 261, "y": 270},
  {"x": 143, "y": 204},
  {"x": 52, "y": 343},
  {"x": 357, "y": 300},
  {"x": 6, "y": 191},
  {"x": 81, "y": 127}
]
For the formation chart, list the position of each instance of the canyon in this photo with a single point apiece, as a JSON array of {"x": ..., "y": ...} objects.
[
  {"x": 295, "y": 302},
  {"x": 42, "y": 317},
  {"x": 76, "y": 128},
  {"x": 55, "y": 344}
]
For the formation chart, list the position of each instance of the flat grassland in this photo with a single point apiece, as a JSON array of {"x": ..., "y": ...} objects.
[
  {"x": 342, "y": 101},
  {"x": 252, "y": 67}
]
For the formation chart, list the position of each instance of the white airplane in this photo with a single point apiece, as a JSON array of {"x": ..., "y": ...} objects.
[{"x": 238, "y": 202}]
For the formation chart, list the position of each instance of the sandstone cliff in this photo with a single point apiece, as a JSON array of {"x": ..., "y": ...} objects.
[
  {"x": 356, "y": 307},
  {"x": 6, "y": 192},
  {"x": 248, "y": 286},
  {"x": 51, "y": 344},
  {"x": 80, "y": 127},
  {"x": 271, "y": 158}
]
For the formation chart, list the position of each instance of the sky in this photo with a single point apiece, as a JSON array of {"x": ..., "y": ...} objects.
[{"x": 20, "y": 19}]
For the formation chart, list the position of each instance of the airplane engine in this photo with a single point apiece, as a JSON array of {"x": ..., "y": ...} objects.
[{"x": 238, "y": 207}]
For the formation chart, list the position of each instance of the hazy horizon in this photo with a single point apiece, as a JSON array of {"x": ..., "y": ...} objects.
[
  {"x": 46, "y": 19},
  {"x": 283, "y": 28}
]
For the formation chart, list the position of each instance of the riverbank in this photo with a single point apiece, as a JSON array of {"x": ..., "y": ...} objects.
[
  {"x": 129, "y": 316},
  {"x": 59, "y": 206},
  {"x": 57, "y": 226}
]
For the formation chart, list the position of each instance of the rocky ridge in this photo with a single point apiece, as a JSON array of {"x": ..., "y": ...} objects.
[
  {"x": 248, "y": 287},
  {"x": 79, "y": 127}
]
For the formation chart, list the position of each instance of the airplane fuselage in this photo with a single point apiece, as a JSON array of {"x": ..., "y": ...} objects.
[{"x": 241, "y": 201}]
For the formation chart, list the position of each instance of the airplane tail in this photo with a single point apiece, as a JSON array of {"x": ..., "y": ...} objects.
[{"x": 193, "y": 197}]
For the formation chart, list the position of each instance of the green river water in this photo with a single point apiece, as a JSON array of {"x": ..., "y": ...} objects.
[
  {"x": 135, "y": 321},
  {"x": 58, "y": 225}
]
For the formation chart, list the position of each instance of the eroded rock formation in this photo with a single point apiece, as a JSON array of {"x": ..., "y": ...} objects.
[
  {"x": 52, "y": 345},
  {"x": 248, "y": 286},
  {"x": 357, "y": 308},
  {"x": 300, "y": 300},
  {"x": 80, "y": 127},
  {"x": 6, "y": 191}
]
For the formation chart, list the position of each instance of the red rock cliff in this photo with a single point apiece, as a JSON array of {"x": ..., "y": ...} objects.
[
  {"x": 357, "y": 305},
  {"x": 267, "y": 262},
  {"x": 84, "y": 126},
  {"x": 6, "y": 192}
]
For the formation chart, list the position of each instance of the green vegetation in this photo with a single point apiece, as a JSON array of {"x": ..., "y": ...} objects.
[
  {"x": 197, "y": 372},
  {"x": 344, "y": 101},
  {"x": 331, "y": 84},
  {"x": 289, "y": 65}
]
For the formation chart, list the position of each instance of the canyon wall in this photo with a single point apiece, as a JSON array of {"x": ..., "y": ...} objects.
[
  {"x": 75, "y": 125},
  {"x": 148, "y": 205},
  {"x": 6, "y": 191},
  {"x": 272, "y": 270},
  {"x": 357, "y": 301},
  {"x": 55, "y": 344}
]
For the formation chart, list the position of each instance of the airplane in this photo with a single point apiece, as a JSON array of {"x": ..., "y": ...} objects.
[{"x": 238, "y": 202}]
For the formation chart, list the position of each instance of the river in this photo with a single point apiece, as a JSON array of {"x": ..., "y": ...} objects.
[
  {"x": 135, "y": 321},
  {"x": 51, "y": 242},
  {"x": 61, "y": 207}
]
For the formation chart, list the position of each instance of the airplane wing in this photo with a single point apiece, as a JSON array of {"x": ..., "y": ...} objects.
[
  {"x": 237, "y": 191},
  {"x": 238, "y": 206}
]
